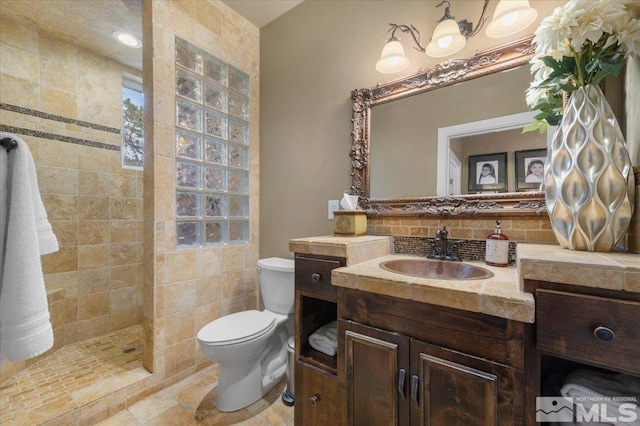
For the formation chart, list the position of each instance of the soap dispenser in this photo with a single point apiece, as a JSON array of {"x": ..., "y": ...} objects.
[{"x": 497, "y": 250}]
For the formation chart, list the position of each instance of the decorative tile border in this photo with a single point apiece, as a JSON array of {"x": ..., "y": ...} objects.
[
  {"x": 53, "y": 117},
  {"x": 473, "y": 250},
  {"x": 52, "y": 136}
]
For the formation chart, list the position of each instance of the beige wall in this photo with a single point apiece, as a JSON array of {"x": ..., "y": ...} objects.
[
  {"x": 93, "y": 204},
  {"x": 185, "y": 289},
  {"x": 312, "y": 58}
]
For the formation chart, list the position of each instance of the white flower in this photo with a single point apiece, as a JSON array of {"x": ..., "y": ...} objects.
[
  {"x": 627, "y": 33},
  {"x": 534, "y": 95},
  {"x": 582, "y": 42}
]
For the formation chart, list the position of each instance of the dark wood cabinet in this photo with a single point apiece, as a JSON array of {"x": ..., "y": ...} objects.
[
  {"x": 316, "y": 384},
  {"x": 580, "y": 328},
  {"x": 423, "y": 371},
  {"x": 454, "y": 388},
  {"x": 316, "y": 395},
  {"x": 603, "y": 332},
  {"x": 377, "y": 375}
]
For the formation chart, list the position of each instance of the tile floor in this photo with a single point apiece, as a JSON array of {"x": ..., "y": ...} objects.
[
  {"x": 192, "y": 402},
  {"x": 72, "y": 377},
  {"x": 79, "y": 377}
]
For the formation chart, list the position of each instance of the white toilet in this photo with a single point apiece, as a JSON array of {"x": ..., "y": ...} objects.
[{"x": 250, "y": 347}]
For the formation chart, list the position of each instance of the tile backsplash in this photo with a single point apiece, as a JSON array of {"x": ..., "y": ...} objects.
[{"x": 473, "y": 250}]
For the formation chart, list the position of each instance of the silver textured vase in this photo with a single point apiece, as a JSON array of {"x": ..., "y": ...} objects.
[{"x": 589, "y": 183}]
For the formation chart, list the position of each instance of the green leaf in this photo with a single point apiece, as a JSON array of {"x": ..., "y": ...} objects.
[
  {"x": 539, "y": 125},
  {"x": 551, "y": 63},
  {"x": 612, "y": 66},
  {"x": 568, "y": 88},
  {"x": 592, "y": 65},
  {"x": 568, "y": 63},
  {"x": 600, "y": 75},
  {"x": 554, "y": 120}
]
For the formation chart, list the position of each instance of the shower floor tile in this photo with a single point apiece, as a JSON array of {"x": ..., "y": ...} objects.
[{"x": 71, "y": 377}]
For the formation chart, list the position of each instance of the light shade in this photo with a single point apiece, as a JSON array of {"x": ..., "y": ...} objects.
[
  {"x": 392, "y": 58},
  {"x": 510, "y": 17},
  {"x": 446, "y": 39}
]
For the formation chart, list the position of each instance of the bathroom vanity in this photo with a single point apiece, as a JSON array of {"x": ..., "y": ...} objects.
[{"x": 475, "y": 352}]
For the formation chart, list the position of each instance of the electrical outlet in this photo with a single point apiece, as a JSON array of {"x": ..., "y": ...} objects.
[{"x": 333, "y": 206}]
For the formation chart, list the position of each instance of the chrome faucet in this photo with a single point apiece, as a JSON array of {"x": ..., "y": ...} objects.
[{"x": 442, "y": 238}]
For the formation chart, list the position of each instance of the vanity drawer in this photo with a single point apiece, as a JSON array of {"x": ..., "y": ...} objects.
[
  {"x": 313, "y": 275},
  {"x": 596, "y": 330}
]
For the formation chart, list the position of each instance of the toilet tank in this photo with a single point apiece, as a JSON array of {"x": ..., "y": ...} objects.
[{"x": 277, "y": 286}]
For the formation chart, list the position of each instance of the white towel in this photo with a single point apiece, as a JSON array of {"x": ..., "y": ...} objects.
[
  {"x": 325, "y": 339},
  {"x": 25, "y": 329},
  {"x": 589, "y": 387}
]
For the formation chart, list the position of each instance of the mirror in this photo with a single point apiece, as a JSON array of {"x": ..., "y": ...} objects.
[
  {"x": 482, "y": 70},
  {"x": 405, "y": 136}
]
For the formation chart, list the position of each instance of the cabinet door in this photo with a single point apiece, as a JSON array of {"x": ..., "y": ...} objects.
[
  {"x": 316, "y": 396},
  {"x": 452, "y": 388},
  {"x": 377, "y": 373}
]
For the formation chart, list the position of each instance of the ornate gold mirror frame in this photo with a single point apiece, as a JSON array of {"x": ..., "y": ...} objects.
[{"x": 452, "y": 71}]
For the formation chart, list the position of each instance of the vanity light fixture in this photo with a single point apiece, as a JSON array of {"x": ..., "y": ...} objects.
[
  {"x": 127, "y": 39},
  {"x": 450, "y": 36}
]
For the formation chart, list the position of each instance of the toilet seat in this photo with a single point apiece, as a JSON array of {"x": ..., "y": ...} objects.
[{"x": 237, "y": 328}]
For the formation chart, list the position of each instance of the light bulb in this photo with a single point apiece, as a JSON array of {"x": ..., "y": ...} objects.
[
  {"x": 510, "y": 18},
  {"x": 445, "y": 41}
]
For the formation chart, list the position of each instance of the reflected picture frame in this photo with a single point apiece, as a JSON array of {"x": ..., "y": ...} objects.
[
  {"x": 529, "y": 165},
  {"x": 488, "y": 173}
]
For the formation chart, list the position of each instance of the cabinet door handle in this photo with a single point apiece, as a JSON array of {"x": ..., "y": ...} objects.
[
  {"x": 401, "y": 376},
  {"x": 315, "y": 277},
  {"x": 314, "y": 400},
  {"x": 414, "y": 390},
  {"x": 604, "y": 334}
]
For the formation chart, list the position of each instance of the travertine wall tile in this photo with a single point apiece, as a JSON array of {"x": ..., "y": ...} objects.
[{"x": 78, "y": 182}]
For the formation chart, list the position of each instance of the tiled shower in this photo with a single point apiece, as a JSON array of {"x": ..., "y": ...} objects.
[
  {"x": 111, "y": 315},
  {"x": 72, "y": 123}
]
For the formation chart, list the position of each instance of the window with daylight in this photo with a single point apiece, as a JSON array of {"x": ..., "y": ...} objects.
[
  {"x": 212, "y": 149},
  {"x": 132, "y": 149}
]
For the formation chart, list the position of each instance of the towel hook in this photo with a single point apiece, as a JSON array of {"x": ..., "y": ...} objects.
[{"x": 9, "y": 143}]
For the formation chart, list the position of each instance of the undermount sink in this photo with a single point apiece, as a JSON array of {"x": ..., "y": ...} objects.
[{"x": 436, "y": 269}]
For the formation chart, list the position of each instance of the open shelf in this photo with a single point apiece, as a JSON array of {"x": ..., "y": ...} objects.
[
  {"x": 314, "y": 313},
  {"x": 319, "y": 359}
]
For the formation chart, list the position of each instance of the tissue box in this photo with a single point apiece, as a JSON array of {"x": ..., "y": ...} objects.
[{"x": 349, "y": 222}]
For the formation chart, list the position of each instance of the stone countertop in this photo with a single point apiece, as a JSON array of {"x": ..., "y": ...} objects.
[
  {"x": 499, "y": 295},
  {"x": 549, "y": 262},
  {"x": 355, "y": 249}
]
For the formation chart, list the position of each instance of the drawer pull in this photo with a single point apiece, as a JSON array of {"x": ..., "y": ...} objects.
[
  {"x": 314, "y": 400},
  {"x": 414, "y": 391},
  {"x": 315, "y": 277},
  {"x": 604, "y": 334},
  {"x": 401, "y": 377}
]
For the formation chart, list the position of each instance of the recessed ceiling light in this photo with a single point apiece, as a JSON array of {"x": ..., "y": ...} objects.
[{"x": 127, "y": 39}]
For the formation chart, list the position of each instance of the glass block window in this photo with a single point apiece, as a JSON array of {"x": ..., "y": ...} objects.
[{"x": 212, "y": 149}]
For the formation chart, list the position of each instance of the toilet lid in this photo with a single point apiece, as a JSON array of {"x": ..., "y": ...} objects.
[{"x": 237, "y": 328}]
